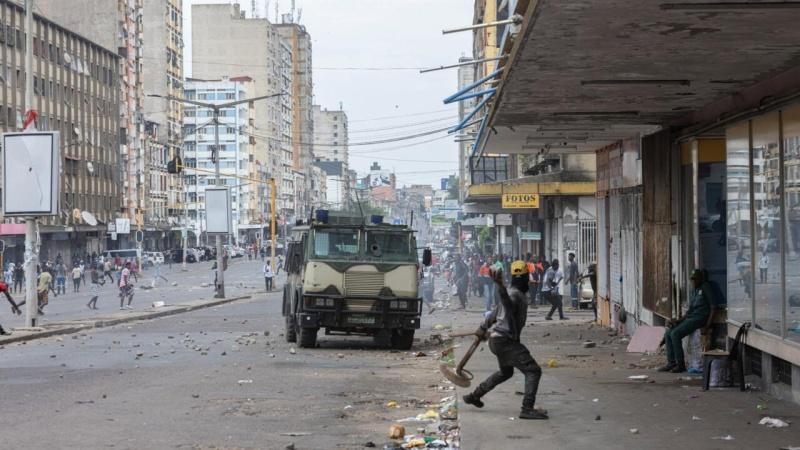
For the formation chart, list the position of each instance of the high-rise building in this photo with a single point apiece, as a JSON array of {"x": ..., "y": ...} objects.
[
  {"x": 331, "y": 143},
  {"x": 163, "y": 79},
  {"x": 236, "y": 153},
  {"x": 466, "y": 76},
  {"x": 226, "y": 43},
  {"x": 144, "y": 34},
  {"x": 302, "y": 98},
  {"x": 77, "y": 92}
]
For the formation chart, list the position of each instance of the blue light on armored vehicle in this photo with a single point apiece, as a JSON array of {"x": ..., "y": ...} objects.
[
  {"x": 376, "y": 219},
  {"x": 322, "y": 215}
]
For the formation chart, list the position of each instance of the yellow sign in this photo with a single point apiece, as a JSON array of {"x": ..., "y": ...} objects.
[{"x": 512, "y": 201}]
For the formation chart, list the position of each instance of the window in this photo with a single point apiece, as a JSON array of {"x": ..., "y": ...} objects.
[
  {"x": 740, "y": 281},
  {"x": 767, "y": 239},
  {"x": 336, "y": 243},
  {"x": 390, "y": 246},
  {"x": 791, "y": 199}
]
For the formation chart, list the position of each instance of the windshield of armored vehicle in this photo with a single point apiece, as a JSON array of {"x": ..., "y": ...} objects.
[
  {"x": 335, "y": 243},
  {"x": 390, "y": 246}
]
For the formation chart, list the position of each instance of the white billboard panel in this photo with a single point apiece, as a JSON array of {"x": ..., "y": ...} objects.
[
  {"x": 31, "y": 171},
  {"x": 218, "y": 211}
]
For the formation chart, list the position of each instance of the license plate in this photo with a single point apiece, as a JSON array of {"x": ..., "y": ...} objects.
[{"x": 361, "y": 320}]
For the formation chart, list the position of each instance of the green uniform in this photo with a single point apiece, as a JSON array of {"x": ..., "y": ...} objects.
[{"x": 696, "y": 317}]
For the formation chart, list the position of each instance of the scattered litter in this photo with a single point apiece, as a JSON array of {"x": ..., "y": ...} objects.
[
  {"x": 512, "y": 418},
  {"x": 761, "y": 407},
  {"x": 634, "y": 431},
  {"x": 292, "y": 350},
  {"x": 195, "y": 395},
  {"x": 348, "y": 407},
  {"x": 595, "y": 400},
  {"x": 723, "y": 438},
  {"x": 420, "y": 354},
  {"x": 696, "y": 418},
  {"x": 397, "y": 431},
  {"x": 392, "y": 404},
  {"x": 429, "y": 414},
  {"x": 369, "y": 444},
  {"x": 296, "y": 433},
  {"x": 340, "y": 355},
  {"x": 773, "y": 423},
  {"x": 245, "y": 381},
  {"x": 639, "y": 377},
  {"x": 552, "y": 363},
  {"x": 159, "y": 304},
  {"x": 413, "y": 443},
  {"x": 597, "y": 417},
  {"x": 589, "y": 344}
]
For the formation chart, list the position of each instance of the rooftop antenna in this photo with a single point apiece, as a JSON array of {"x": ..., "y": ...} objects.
[
  {"x": 277, "y": 4},
  {"x": 299, "y": 15},
  {"x": 291, "y": 13}
]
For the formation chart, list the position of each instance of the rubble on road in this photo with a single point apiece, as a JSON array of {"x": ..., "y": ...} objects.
[{"x": 773, "y": 423}]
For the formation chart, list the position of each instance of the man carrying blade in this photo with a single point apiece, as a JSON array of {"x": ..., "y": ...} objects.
[{"x": 503, "y": 327}]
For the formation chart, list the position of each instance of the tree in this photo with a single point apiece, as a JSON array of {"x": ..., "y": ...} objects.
[{"x": 453, "y": 187}]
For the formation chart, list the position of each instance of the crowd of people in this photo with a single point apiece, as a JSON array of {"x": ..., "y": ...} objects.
[
  {"x": 471, "y": 274},
  {"x": 52, "y": 275}
]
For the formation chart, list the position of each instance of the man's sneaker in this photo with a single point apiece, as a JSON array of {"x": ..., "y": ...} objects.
[
  {"x": 533, "y": 414},
  {"x": 679, "y": 368},
  {"x": 471, "y": 399},
  {"x": 548, "y": 318},
  {"x": 666, "y": 368}
]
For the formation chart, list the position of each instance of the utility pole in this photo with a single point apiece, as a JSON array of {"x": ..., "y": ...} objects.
[
  {"x": 273, "y": 196},
  {"x": 185, "y": 223},
  {"x": 31, "y": 244},
  {"x": 215, "y": 109}
]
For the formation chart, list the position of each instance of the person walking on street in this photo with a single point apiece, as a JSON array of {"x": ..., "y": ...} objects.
[
  {"x": 76, "y": 278},
  {"x": 486, "y": 283},
  {"x": 8, "y": 275},
  {"x": 573, "y": 277},
  {"x": 461, "y": 280},
  {"x": 19, "y": 277},
  {"x": 82, "y": 266},
  {"x": 592, "y": 276},
  {"x": 157, "y": 273},
  {"x": 107, "y": 270},
  {"x": 268, "y": 276},
  {"x": 4, "y": 288},
  {"x": 61, "y": 278},
  {"x": 552, "y": 278},
  {"x": 503, "y": 328},
  {"x": 763, "y": 267},
  {"x": 94, "y": 286},
  {"x": 43, "y": 287},
  {"x": 125, "y": 287}
]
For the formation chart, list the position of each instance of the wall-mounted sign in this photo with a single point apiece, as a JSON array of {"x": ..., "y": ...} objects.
[
  {"x": 516, "y": 201},
  {"x": 530, "y": 236}
]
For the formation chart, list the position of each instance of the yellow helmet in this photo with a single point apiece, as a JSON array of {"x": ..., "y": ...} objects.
[{"x": 519, "y": 268}]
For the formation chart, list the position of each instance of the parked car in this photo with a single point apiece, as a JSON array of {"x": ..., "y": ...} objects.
[
  {"x": 177, "y": 256},
  {"x": 152, "y": 258}
]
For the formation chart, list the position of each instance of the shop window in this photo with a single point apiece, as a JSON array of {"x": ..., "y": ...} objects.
[
  {"x": 768, "y": 223},
  {"x": 740, "y": 279},
  {"x": 791, "y": 164}
]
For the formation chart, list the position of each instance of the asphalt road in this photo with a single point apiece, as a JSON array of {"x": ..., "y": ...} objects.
[
  {"x": 208, "y": 379},
  {"x": 243, "y": 277}
]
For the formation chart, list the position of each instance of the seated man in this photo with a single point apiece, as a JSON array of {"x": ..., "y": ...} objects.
[{"x": 702, "y": 306}]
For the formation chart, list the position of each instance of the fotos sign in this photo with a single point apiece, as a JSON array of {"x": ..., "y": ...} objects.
[{"x": 518, "y": 201}]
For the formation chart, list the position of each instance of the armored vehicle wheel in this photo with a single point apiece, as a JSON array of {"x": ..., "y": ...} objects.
[
  {"x": 403, "y": 339},
  {"x": 290, "y": 333},
  {"x": 308, "y": 337}
]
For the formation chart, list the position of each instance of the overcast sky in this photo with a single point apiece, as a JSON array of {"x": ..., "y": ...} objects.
[{"x": 348, "y": 35}]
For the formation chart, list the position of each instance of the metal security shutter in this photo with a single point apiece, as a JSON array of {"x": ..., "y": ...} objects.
[{"x": 615, "y": 250}]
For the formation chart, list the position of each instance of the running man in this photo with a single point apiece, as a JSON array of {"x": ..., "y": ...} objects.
[
  {"x": 125, "y": 287},
  {"x": 14, "y": 307}
]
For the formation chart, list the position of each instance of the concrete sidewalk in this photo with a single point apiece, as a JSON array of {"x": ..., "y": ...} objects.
[
  {"x": 75, "y": 326},
  {"x": 592, "y": 404}
]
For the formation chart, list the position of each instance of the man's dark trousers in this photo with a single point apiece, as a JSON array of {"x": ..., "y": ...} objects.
[{"x": 512, "y": 354}]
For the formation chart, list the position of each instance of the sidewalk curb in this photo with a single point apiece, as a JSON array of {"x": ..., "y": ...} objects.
[{"x": 88, "y": 325}]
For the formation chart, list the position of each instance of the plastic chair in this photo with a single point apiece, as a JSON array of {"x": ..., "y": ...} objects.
[{"x": 735, "y": 356}]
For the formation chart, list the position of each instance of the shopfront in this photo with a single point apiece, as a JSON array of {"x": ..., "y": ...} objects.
[{"x": 762, "y": 211}]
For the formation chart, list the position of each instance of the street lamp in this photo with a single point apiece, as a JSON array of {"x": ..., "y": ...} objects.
[{"x": 215, "y": 109}]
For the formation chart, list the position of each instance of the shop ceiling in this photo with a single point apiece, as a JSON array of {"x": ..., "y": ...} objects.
[{"x": 586, "y": 73}]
